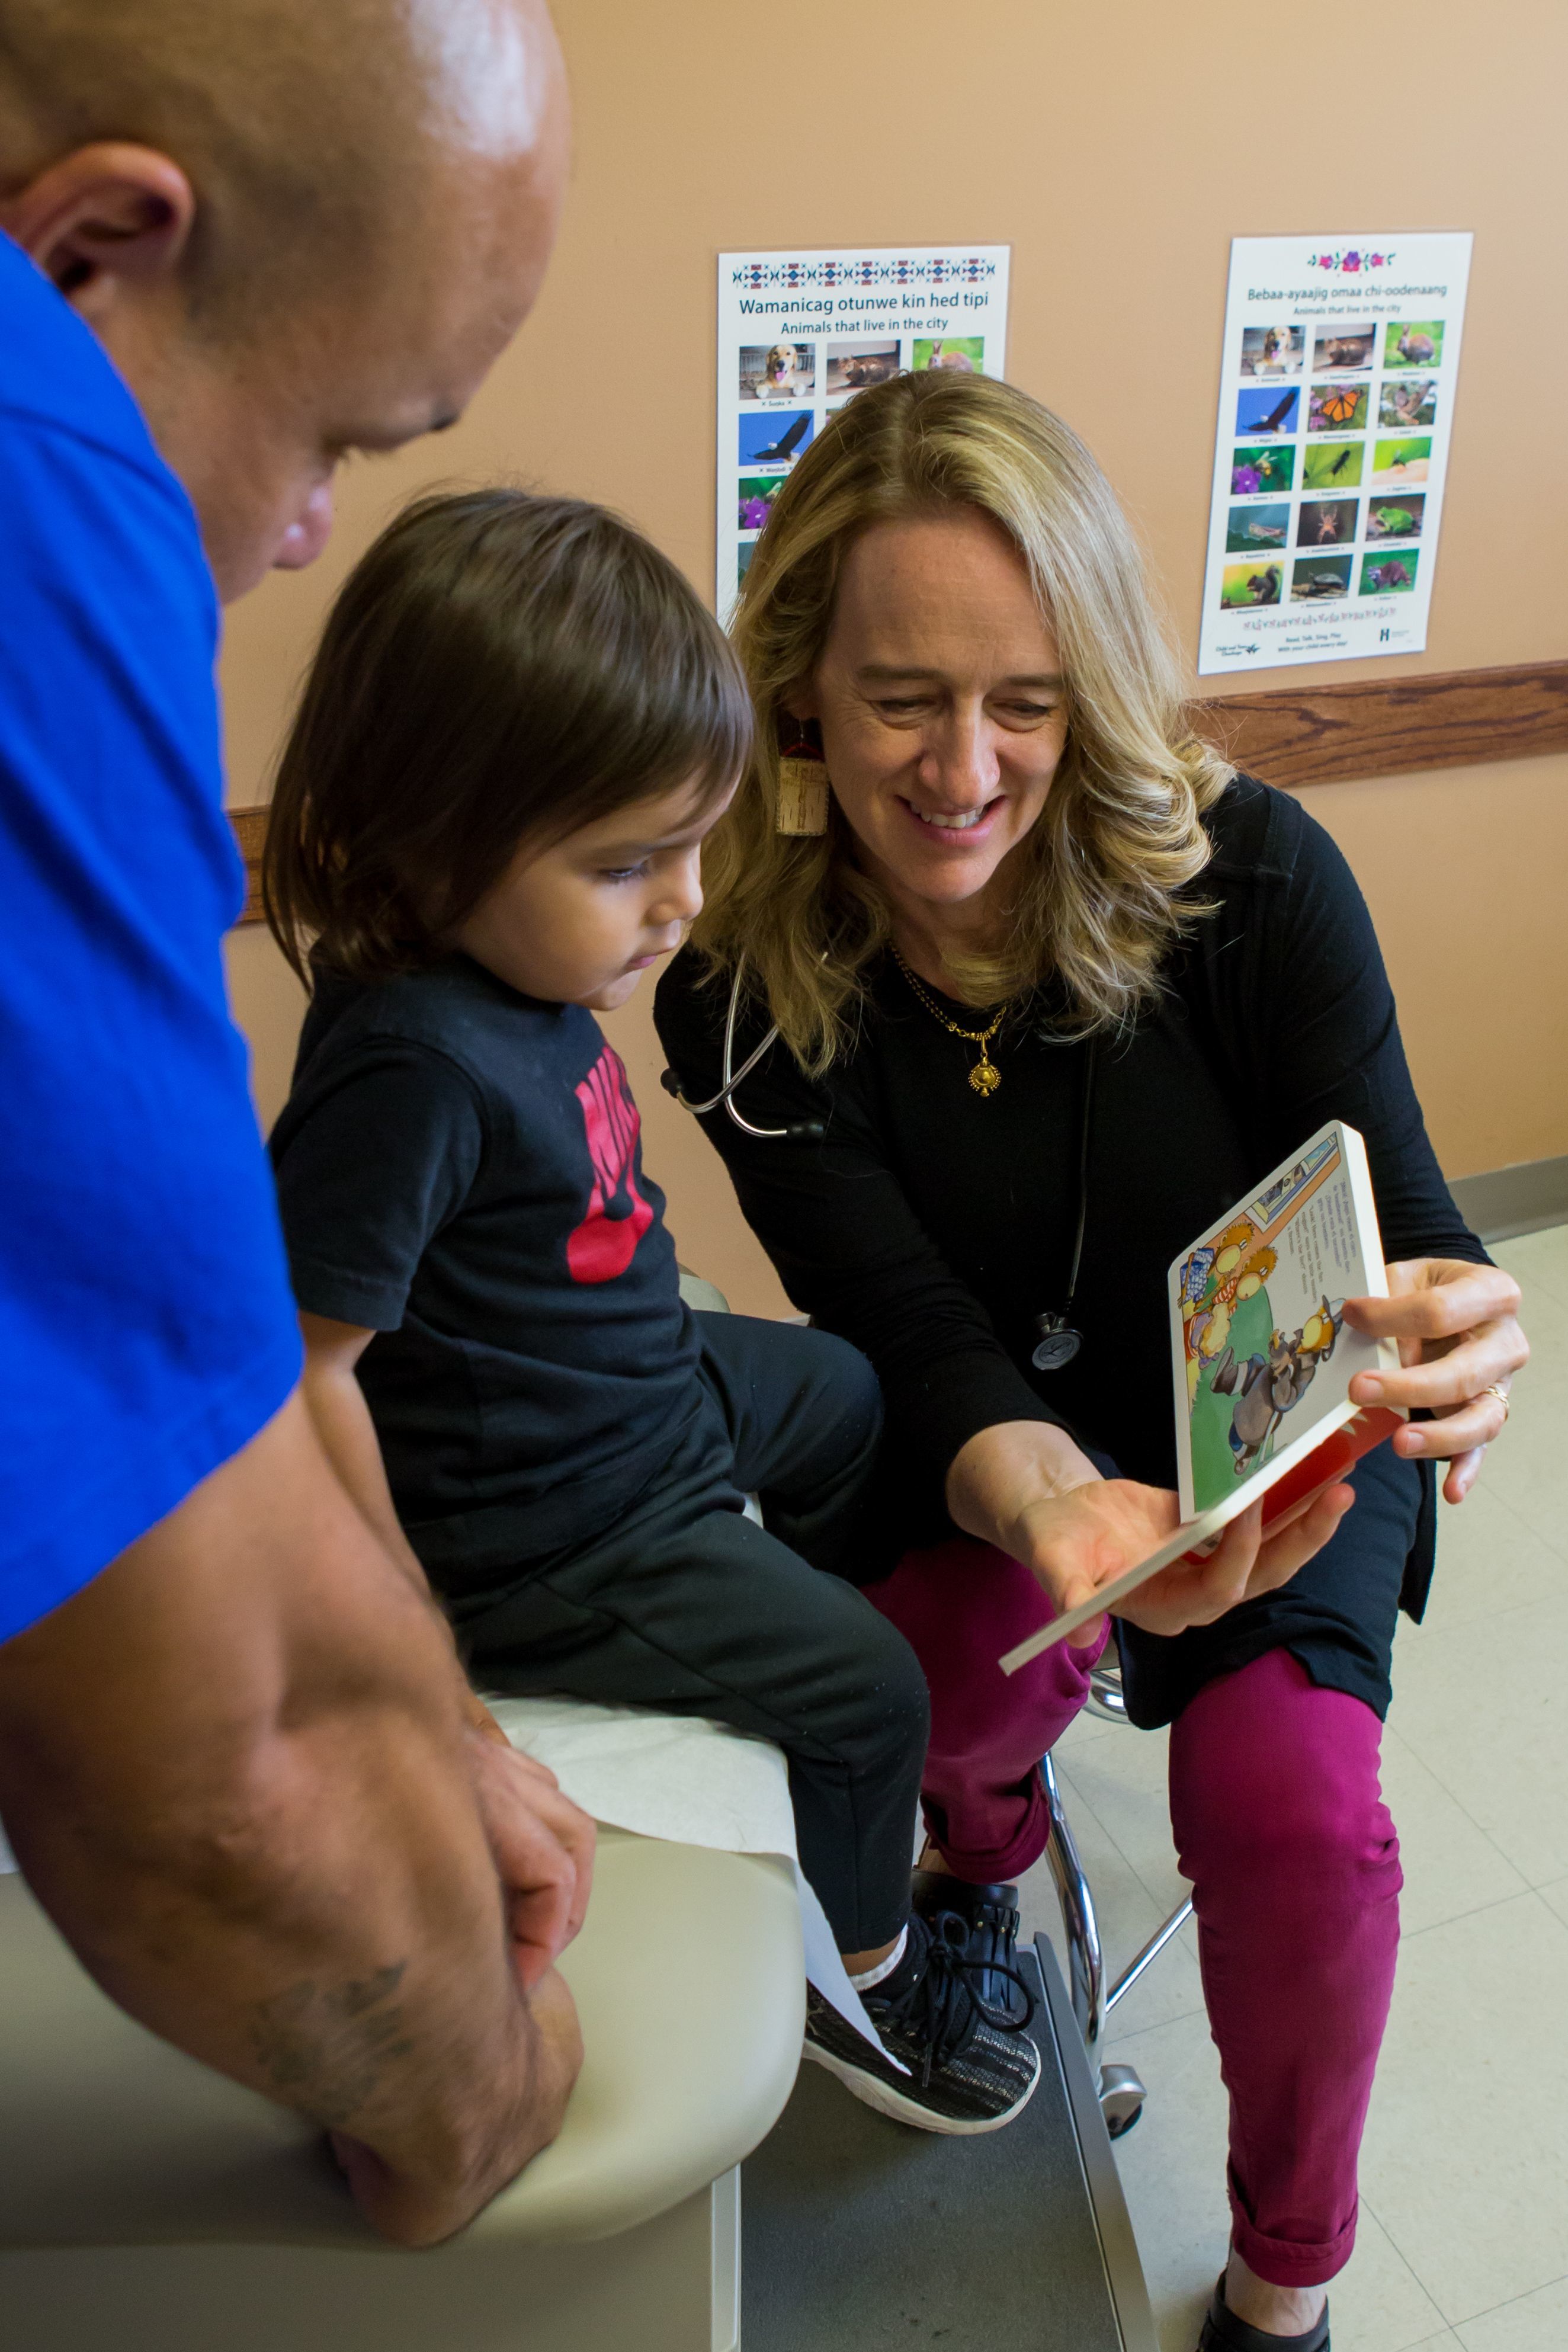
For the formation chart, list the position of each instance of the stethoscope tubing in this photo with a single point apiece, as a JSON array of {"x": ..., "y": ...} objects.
[
  {"x": 733, "y": 1078},
  {"x": 1058, "y": 1324}
]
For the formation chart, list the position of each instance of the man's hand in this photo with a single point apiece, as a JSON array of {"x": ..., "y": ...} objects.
[
  {"x": 543, "y": 1847},
  {"x": 556, "y": 2048},
  {"x": 236, "y": 1773},
  {"x": 1460, "y": 1344}
]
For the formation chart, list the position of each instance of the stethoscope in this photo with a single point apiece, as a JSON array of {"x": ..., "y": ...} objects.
[
  {"x": 1059, "y": 1341},
  {"x": 798, "y": 1130}
]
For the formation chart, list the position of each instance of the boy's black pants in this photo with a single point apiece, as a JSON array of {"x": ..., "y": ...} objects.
[{"x": 685, "y": 1606}]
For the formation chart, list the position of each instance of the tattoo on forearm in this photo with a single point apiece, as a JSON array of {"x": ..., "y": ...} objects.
[{"x": 325, "y": 2049}]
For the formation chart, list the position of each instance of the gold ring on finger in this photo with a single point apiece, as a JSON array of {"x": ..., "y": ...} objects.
[{"x": 1495, "y": 1389}]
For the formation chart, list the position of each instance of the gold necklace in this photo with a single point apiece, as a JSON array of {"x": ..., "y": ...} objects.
[{"x": 985, "y": 1077}]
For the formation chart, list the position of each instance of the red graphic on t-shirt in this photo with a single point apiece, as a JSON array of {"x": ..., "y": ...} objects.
[{"x": 605, "y": 1243}]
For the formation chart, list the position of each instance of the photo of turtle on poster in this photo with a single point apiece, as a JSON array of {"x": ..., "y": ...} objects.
[{"x": 1314, "y": 578}]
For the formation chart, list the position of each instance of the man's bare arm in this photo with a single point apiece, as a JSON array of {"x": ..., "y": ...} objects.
[
  {"x": 236, "y": 1773},
  {"x": 337, "y": 1405},
  {"x": 342, "y": 1422}
]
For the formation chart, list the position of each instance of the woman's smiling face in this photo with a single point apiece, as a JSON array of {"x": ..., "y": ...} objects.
[{"x": 941, "y": 702}]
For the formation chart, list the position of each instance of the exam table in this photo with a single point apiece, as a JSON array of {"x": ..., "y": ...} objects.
[
  {"x": 147, "y": 2205},
  {"x": 699, "y": 2198}
]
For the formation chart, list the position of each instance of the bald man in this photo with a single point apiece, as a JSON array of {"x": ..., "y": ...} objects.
[{"x": 239, "y": 1764}]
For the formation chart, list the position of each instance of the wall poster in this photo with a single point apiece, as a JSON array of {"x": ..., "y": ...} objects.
[
  {"x": 1336, "y": 396},
  {"x": 800, "y": 333}
]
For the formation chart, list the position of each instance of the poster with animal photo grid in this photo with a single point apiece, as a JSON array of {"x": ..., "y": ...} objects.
[
  {"x": 1336, "y": 401},
  {"x": 800, "y": 333}
]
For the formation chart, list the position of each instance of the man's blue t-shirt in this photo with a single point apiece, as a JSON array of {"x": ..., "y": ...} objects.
[{"x": 146, "y": 1327}]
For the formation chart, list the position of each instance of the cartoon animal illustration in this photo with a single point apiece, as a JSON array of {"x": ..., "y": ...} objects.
[
  {"x": 1264, "y": 587},
  {"x": 1416, "y": 350},
  {"x": 1391, "y": 575},
  {"x": 1266, "y": 1387},
  {"x": 1239, "y": 1269}
]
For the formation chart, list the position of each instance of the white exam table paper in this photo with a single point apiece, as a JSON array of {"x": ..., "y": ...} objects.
[{"x": 687, "y": 1779}]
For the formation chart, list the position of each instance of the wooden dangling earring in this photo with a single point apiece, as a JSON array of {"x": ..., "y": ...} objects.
[{"x": 802, "y": 778}]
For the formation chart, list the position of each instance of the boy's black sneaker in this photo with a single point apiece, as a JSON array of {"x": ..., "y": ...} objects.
[
  {"x": 991, "y": 1916},
  {"x": 971, "y": 2068}
]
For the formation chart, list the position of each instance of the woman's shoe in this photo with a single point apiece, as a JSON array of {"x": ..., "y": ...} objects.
[{"x": 1223, "y": 2331}]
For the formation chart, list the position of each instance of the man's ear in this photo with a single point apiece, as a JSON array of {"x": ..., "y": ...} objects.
[{"x": 107, "y": 222}]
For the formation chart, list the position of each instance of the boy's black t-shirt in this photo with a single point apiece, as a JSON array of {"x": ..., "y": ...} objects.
[{"x": 458, "y": 1167}]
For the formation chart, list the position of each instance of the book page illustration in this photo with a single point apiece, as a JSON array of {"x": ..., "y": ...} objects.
[
  {"x": 1265, "y": 1351},
  {"x": 1263, "y": 1360}
]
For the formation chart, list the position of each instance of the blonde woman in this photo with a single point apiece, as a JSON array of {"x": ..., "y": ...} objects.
[{"x": 1053, "y": 986}]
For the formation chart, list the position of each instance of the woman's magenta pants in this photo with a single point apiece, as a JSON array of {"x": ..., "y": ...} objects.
[{"x": 1281, "y": 1826}]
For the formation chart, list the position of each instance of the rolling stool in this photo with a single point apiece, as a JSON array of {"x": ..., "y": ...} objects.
[{"x": 1121, "y": 2093}]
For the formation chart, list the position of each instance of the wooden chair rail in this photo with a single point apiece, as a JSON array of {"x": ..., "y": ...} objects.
[{"x": 1298, "y": 736}]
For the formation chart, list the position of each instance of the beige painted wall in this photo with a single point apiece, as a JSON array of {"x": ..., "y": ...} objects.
[{"x": 1118, "y": 147}]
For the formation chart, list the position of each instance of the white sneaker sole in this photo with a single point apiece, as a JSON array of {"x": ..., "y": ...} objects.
[{"x": 874, "y": 2092}]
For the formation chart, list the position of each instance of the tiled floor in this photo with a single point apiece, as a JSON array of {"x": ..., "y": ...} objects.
[{"x": 1464, "y": 2177}]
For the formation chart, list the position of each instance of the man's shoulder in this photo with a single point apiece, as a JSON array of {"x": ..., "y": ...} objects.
[{"x": 56, "y": 375}]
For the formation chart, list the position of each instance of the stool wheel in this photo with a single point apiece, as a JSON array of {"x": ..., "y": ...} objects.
[{"x": 1121, "y": 2096}]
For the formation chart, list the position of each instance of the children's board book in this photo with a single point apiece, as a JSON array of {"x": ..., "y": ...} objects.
[{"x": 1263, "y": 1359}]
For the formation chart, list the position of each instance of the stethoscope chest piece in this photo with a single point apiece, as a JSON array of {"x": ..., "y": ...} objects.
[{"x": 1058, "y": 1343}]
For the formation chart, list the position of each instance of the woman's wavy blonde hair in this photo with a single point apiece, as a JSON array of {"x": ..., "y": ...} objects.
[{"x": 1099, "y": 877}]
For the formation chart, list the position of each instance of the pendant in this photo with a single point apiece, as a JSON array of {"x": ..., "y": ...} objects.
[
  {"x": 1058, "y": 1343},
  {"x": 985, "y": 1077}
]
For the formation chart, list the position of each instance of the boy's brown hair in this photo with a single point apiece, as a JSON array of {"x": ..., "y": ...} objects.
[{"x": 497, "y": 669}]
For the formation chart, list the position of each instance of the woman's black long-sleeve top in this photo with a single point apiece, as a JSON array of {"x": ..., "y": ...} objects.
[{"x": 932, "y": 1224}]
